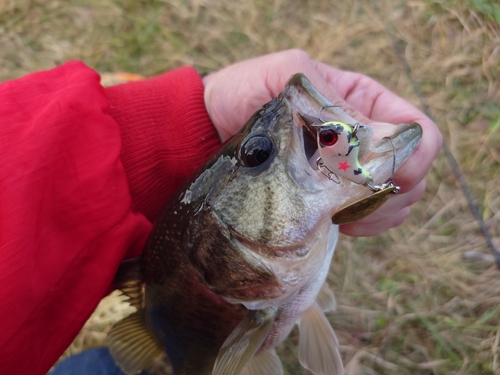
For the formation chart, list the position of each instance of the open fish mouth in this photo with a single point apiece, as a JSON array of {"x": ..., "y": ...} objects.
[
  {"x": 341, "y": 149},
  {"x": 310, "y": 143},
  {"x": 372, "y": 162}
]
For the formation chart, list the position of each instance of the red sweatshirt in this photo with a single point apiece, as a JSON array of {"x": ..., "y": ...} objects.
[{"x": 83, "y": 172}]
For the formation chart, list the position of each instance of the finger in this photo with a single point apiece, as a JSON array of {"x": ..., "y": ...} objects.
[
  {"x": 360, "y": 229},
  {"x": 396, "y": 203},
  {"x": 372, "y": 99},
  {"x": 287, "y": 63},
  {"x": 358, "y": 90}
]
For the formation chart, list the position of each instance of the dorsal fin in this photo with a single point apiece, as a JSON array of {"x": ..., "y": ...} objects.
[
  {"x": 242, "y": 344},
  {"x": 264, "y": 363},
  {"x": 318, "y": 346},
  {"x": 132, "y": 345},
  {"x": 128, "y": 280},
  {"x": 326, "y": 299}
]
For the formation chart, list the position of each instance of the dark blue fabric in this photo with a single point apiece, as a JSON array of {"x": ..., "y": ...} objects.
[{"x": 96, "y": 361}]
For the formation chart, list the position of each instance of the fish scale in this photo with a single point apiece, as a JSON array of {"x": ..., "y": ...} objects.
[{"x": 266, "y": 207}]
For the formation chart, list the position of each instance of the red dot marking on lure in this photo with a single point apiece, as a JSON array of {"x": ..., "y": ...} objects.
[{"x": 344, "y": 166}]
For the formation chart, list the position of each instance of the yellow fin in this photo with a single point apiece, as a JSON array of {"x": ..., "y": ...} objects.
[
  {"x": 265, "y": 363},
  {"x": 318, "y": 346},
  {"x": 242, "y": 344},
  {"x": 132, "y": 345},
  {"x": 128, "y": 280},
  {"x": 326, "y": 299}
]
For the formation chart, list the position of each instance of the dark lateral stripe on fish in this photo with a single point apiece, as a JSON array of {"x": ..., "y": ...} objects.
[{"x": 267, "y": 216}]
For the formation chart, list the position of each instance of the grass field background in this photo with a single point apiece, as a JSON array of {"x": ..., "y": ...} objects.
[{"x": 409, "y": 301}]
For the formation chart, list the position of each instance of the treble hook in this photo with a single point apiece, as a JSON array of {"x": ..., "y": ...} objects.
[
  {"x": 323, "y": 107},
  {"x": 354, "y": 128}
]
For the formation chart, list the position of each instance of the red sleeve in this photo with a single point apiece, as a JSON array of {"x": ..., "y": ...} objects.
[
  {"x": 166, "y": 134},
  {"x": 66, "y": 217}
]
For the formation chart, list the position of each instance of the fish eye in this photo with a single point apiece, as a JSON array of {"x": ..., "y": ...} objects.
[
  {"x": 328, "y": 137},
  {"x": 256, "y": 150}
]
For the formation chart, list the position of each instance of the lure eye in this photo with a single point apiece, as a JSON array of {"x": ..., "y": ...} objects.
[
  {"x": 255, "y": 151},
  {"x": 328, "y": 137}
]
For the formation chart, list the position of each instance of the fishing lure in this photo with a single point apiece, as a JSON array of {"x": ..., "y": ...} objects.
[{"x": 339, "y": 149}]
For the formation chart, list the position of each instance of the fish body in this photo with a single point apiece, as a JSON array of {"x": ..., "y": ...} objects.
[{"x": 240, "y": 253}]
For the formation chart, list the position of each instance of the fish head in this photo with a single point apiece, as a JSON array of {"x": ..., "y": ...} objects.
[{"x": 274, "y": 204}]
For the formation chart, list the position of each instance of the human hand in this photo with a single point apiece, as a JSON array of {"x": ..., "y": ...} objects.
[{"x": 234, "y": 93}]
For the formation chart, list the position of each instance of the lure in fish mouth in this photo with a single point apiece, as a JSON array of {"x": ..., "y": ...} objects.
[
  {"x": 240, "y": 253},
  {"x": 344, "y": 151}
]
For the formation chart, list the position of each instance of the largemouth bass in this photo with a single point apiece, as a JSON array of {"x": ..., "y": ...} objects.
[{"x": 240, "y": 253}]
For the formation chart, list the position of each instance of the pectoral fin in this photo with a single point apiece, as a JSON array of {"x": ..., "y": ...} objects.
[
  {"x": 318, "y": 347},
  {"x": 326, "y": 299},
  {"x": 243, "y": 342},
  {"x": 128, "y": 280},
  {"x": 132, "y": 345},
  {"x": 265, "y": 363}
]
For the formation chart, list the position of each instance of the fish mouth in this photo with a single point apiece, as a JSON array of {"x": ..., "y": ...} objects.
[
  {"x": 309, "y": 134},
  {"x": 381, "y": 158}
]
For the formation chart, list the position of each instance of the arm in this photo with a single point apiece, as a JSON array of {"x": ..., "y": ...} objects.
[
  {"x": 67, "y": 214},
  {"x": 84, "y": 168},
  {"x": 166, "y": 132}
]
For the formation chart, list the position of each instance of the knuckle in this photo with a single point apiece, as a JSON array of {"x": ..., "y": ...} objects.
[{"x": 301, "y": 57}]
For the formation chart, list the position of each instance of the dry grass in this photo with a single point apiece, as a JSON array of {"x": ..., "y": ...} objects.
[{"x": 408, "y": 301}]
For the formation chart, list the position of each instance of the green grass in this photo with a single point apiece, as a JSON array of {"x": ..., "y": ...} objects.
[{"x": 489, "y": 8}]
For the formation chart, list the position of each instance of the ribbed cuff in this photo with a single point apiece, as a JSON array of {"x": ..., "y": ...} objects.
[{"x": 166, "y": 134}]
